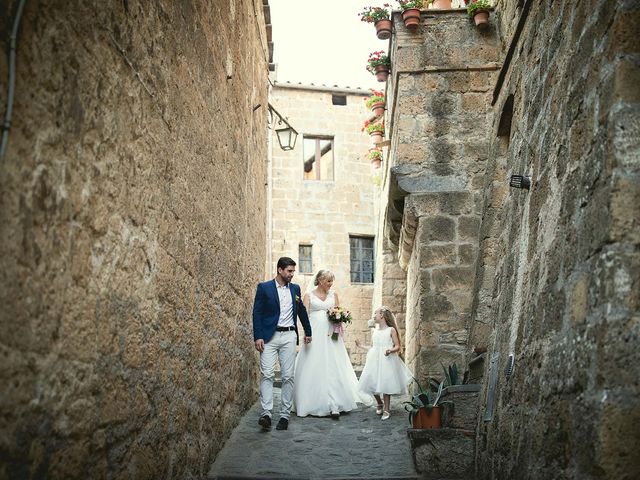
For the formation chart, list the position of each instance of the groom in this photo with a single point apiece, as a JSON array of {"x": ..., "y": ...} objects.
[{"x": 275, "y": 333}]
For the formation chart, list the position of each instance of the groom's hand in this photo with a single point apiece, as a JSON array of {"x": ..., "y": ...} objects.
[
  {"x": 307, "y": 340},
  {"x": 260, "y": 345}
]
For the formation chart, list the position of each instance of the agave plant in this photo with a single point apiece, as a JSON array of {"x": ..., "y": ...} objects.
[
  {"x": 425, "y": 398},
  {"x": 451, "y": 375}
]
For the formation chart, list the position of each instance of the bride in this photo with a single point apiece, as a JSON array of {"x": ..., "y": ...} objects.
[{"x": 324, "y": 380}]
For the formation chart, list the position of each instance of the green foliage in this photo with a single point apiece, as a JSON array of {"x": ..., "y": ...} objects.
[
  {"x": 478, "y": 5},
  {"x": 407, "y": 4},
  {"x": 451, "y": 375}
]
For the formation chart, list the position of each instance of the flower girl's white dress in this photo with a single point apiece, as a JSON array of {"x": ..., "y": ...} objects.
[
  {"x": 384, "y": 374},
  {"x": 324, "y": 379}
]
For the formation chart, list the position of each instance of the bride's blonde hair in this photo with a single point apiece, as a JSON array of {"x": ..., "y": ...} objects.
[{"x": 323, "y": 274}]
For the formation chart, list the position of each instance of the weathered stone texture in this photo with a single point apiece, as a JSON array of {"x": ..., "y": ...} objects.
[
  {"x": 565, "y": 259},
  {"x": 131, "y": 236},
  {"x": 438, "y": 157}
]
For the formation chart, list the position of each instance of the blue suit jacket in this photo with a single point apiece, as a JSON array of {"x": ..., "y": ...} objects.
[{"x": 266, "y": 311}]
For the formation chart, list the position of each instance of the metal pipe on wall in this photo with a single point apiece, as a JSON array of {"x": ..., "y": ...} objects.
[{"x": 12, "y": 78}]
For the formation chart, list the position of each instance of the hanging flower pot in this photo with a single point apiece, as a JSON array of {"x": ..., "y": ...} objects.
[
  {"x": 380, "y": 17},
  {"x": 379, "y": 64},
  {"x": 481, "y": 18},
  {"x": 383, "y": 29},
  {"x": 375, "y": 130},
  {"x": 411, "y": 12},
  {"x": 382, "y": 73},
  {"x": 375, "y": 155},
  {"x": 479, "y": 10},
  {"x": 376, "y": 136},
  {"x": 442, "y": 4},
  {"x": 377, "y": 109},
  {"x": 376, "y": 102},
  {"x": 411, "y": 18}
]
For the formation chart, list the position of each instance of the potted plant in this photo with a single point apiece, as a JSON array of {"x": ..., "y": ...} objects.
[
  {"x": 375, "y": 130},
  {"x": 379, "y": 65},
  {"x": 411, "y": 12},
  {"x": 479, "y": 11},
  {"x": 441, "y": 4},
  {"x": 375, "y": 102},
  {"x": 424, "y": 408},
  {"x": 375, "y": 155},
  {"x": 380, "y": 17}
]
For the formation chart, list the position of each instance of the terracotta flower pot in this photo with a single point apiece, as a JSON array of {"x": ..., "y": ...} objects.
[
  {"x": 377, "y": 109},
  {"x": 382, "y": 73},
  {"x": 376, "y": 136},
  {"x": 442, "y": 4},
  {"x": 428, "y": 418},
  {"x": 376, "y": 162},
  {"x": 411, "y": 18},
  {"x": 481, "y": 18},
  {"x": 383, "y": 29}
]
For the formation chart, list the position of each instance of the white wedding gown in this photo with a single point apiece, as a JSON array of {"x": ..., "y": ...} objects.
[{"x": 324, "y": 380}]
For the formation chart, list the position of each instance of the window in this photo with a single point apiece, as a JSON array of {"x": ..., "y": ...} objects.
[
  {"x": 339, "y": 99},
  {"x": 318, "y": 158},
  {"x": 361, "y": 259},
  {"x": 305, "y": 264}
]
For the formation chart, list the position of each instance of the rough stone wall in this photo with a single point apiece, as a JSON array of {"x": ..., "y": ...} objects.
[
  {"x": 131, "y": 236},
  {"x": 441, "y": 90},
  {"x": 324, "y": 213},
  {"x": 566, "y": 254}
]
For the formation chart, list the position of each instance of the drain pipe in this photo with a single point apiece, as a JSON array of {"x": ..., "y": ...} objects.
[{"x": 12, "y": 78}]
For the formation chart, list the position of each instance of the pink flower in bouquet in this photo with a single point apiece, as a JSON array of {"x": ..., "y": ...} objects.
[{"x": 338, "y": 316}]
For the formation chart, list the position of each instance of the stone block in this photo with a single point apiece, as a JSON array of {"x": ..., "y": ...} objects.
[
  {"x": 463, "y": 412},
  {"x": 443, "y": 453},
  {"x": 467, "y": 254},
  {"x": 438, "y": 229},
  {"x": 452, "y": 278},
  {"x": 437, "y": 255},
  {"x": 627, "y": 79},
  {"x": 468, "y": 227}
]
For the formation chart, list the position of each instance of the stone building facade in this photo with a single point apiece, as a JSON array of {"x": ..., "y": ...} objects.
[
  {"x": 546, "y": 279},
  {"x": 131, "y": 236},
  {"x": 322, "y": 195}
]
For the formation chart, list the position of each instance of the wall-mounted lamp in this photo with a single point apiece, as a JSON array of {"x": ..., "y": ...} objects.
[
  {"x": 520, "y": 181},
  {"x": 287, "y": 135}
]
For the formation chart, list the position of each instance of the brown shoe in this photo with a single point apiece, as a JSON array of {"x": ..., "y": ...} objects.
[{"x": 265, "y": 422}]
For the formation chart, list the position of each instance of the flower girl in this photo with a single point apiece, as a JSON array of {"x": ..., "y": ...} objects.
[{"x": 384, "y": 372}]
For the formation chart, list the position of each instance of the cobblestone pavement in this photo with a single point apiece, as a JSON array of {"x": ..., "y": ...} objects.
[{"x": 357, "y": 446}]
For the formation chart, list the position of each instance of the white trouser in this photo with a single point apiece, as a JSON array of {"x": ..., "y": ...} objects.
[{"x": 283, "y": 346}]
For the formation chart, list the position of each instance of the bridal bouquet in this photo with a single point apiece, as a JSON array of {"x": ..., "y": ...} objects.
[{"x": 338, "y": 316}]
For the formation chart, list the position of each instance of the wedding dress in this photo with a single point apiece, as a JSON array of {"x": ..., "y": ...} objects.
[{"x": 324, "y": 380}]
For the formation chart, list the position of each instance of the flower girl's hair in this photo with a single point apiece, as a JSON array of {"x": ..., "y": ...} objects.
[
  {"x": 388, "y": 316},
  {"x": 321, "y": 275}
]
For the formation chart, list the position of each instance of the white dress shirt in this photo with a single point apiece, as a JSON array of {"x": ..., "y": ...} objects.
[{"x": 286, "y": 305}]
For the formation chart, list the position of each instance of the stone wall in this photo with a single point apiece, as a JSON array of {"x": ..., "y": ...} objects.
[
  {"x": 323, "y": 213},
  {"x": 441, "y": 89},
  {"x": 565, "y": 255},
  {"x": 131, "y": 236}
]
